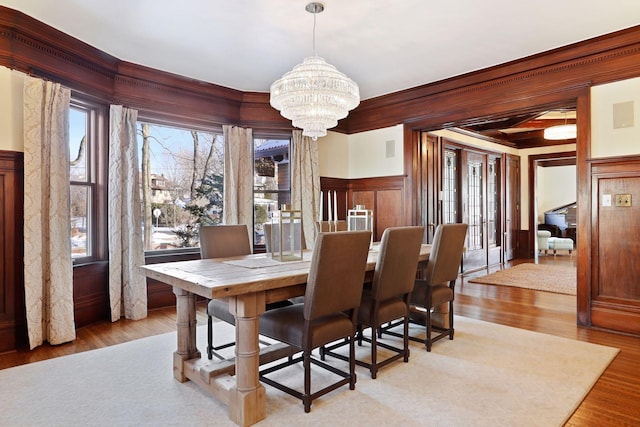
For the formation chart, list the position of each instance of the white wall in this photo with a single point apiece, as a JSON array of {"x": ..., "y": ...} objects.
[
  {"x": 11, "y": 130},
  {"x": 556, "y": 187},
  {"x": 368, "y": 154},
  {"x": 333, "y": 154},
  {"x": 605, "y": 139},
  {"x": 524, "y": 176}
]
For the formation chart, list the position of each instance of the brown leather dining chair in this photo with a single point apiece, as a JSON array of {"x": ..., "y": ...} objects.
[
  {"x": 220, "y": 241},
  {"x": 329, "y": 311},
  {"x": 388, "y": 297},
  {"x": 438, "y": 286}
]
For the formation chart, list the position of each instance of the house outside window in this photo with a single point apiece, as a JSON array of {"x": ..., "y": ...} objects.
[{"x": 272, "y": 181}]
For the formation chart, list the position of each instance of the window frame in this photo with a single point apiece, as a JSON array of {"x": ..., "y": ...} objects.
[
  {"x": 148, "y": 116},
  {"x": 274, "y": 136},
  {"x": 96, "y": 183}
]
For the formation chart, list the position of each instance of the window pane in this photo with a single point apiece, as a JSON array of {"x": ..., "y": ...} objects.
[
  {"x": 271, "y": 157},
  {"x": 475, "y": 205},
  {"x": 450, "y": 188},
  {"x": 271, "y": 181},
  {"x": 182, "y": 184},
  {"x": 81, "y": 179},
  {"x": 492, "y": 203},
  {"x": 78, "y": 145},
  {"x": 80, "y": 220}
]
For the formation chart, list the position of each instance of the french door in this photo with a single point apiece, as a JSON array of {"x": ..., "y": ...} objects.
[
  {"x": 459, "y": 183},
  {"x": 472, "y": 194}
]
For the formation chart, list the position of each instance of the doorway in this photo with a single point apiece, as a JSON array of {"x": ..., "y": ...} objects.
[{"x": 561, "y": 159}]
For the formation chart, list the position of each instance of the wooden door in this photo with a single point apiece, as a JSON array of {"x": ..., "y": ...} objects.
[
  {"x": 474, "y": 175},
  {"x": 429, "y": 212},
  {"x": 494, "y": 226}
]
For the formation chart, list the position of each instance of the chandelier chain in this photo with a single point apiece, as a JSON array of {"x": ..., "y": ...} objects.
[{"x": 314, "y": 34}]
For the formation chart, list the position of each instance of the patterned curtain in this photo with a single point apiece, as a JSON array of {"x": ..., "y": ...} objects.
[
  {"x": 48, "y": 268},
  {"x": 305, "y": 186},
  {"x": 127, "y": 284},
  {"x": 238, "y": 177}
]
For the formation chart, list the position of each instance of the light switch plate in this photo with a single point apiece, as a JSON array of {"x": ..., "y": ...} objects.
[
  {"x": 606, "y": 200},
  {"x": 623, "y": 200}
]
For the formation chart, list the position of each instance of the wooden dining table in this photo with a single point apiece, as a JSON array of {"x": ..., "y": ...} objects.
[{"x": 248, "y": 283}]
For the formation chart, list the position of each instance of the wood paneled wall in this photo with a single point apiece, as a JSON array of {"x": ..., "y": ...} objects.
[
  {"x": 385, "y": 195},
  {"x": 615, "y": 250},
  {"x": 12, "y": 323}
]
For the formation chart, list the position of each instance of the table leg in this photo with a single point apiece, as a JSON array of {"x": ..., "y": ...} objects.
[
  {"x": 186, "y": 326},
  {"x": 440, "y": 315},
  {"x": 247, "y": 399}
]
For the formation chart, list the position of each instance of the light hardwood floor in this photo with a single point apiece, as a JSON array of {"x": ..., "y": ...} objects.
[{"x": 613, "y": 401}]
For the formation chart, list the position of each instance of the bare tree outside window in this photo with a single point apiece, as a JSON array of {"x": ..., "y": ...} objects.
[{"x": 181, "y": 176}]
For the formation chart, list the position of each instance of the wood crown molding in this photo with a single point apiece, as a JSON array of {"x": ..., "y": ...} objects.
[{"x": 551, "y": 77}]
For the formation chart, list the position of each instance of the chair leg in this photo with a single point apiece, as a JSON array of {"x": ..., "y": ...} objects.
[
  {"x": 352, "y": 363},
  {"x": 209, "y": 337},
  {"x": 374, "y": 354},
  {"x": 451, "y": 320},
  {"x": 427, "y": 340},
  {"x": 405, "y": 339},
  {"x": 306, "y": 397}
]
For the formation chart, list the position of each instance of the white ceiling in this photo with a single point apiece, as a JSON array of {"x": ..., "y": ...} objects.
[{"x": 384, "y": 45}]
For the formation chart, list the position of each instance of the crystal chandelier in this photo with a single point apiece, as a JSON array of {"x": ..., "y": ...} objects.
[{"x": 314, "y": 95}]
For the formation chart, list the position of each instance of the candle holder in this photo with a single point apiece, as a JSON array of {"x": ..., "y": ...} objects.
[
  {"x": 286, "y": 234},
  {"x": 360, "y": 218}
]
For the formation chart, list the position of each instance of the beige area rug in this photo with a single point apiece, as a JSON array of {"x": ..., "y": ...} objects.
[
  {"x": 541, "y": 277},
  {"x": 490, "y": 375}
]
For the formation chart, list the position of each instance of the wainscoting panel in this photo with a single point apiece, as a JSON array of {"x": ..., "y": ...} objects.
[
  {"x": 91, "y": 293},
  {"x": 390, "y": 208},
  {"x": 615, "y": 292},
  {"x": 12, "y": 321},
  {"x": 385, "y": 195}
]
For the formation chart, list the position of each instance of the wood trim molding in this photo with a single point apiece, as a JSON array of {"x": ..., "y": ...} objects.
[
  {"x": 557, "y": 162},
  {"x": 34, "y": 48},
  {"x": 541, "y": 79}
]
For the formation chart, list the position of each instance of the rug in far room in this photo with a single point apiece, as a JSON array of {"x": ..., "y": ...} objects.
[{"x": 540, "y": 277}]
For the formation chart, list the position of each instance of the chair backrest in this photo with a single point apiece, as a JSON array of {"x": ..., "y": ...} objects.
[
  {"x": 329, "y": 226},
  {"x": 218, "y": 241},
  {"x": 395, "y": 272},
  {"x": 267, "y": 237},
  {"x": 336, "y": 275},
  {"x": 446, "y": 253}
]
